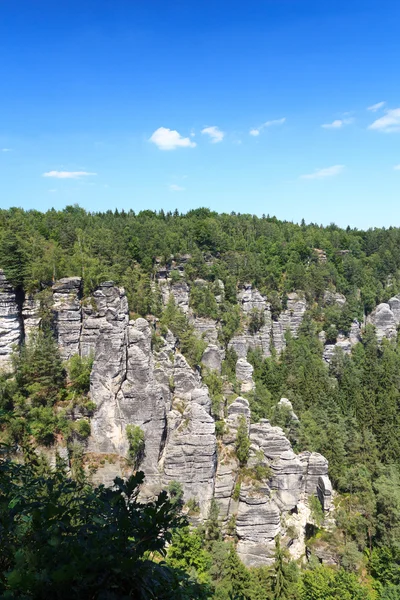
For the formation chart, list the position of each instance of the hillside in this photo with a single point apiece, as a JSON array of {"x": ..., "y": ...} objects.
[{"x": 249, "y": 365}]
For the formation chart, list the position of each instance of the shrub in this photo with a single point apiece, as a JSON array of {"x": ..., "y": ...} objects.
[
  {"x": 242, "y": 444},
  {"x": 135, "y": 437}
]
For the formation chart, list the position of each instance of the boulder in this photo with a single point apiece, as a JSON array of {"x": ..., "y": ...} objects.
[
  {"x": 212, "y": 358},
  {"x": 384, "y": 321}
]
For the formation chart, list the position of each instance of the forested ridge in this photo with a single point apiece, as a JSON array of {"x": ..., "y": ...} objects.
[{"x": 348, "y": 409}]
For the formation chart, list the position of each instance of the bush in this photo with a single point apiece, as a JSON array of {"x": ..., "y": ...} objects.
[
  {"x": 136, "y": 441},
  {"x": 242, "y": 444},
  {"x": 79, "y": 370},
  {"x": 83, "y": 428}
]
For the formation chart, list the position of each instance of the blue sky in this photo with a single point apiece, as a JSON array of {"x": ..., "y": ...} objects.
[{"x": 178, "y": 104}]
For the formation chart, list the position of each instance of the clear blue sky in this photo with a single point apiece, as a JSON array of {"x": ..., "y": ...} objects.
[{"x": 109, "y": 98}]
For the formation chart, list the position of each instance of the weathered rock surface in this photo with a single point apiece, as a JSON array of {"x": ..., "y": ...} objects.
[
  {"x": 206, "y": 329},
  {"x": 244, "y": 374},
  {"x": 212, "y": 358},
  {"x": 133, "y": 384},
  {"x": 289, "y": 319},
  {"x": 384, "y": 321},
  {"x": 334, "y": 298},
  {"x": 11, "y": 331},
  {"x": 142, "y": 400},
  {"x": 67, "y": 294},
  {"x": 191, "y": 454},
  {"x": 108, "y": 338},
  {"x": 30, "y": 315},
  {"x": 257, "y": 524}
]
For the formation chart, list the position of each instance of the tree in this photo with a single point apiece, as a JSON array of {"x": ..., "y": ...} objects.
[
  {"x": 62, "y": 538},
  {"x": 242, "y": 443},
  {"x": 136, "y": 440}
]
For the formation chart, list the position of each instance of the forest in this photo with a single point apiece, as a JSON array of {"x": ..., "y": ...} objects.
[{"x": 55, "y": 526}]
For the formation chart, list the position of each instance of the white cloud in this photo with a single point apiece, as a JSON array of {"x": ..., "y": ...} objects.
[
  {"x": 396, "y": 167},
  {"x": 6, "y": 150},
  {"x": 389, "y": 122},
  {"x": 376, "y": 106},
  {"x": 322, "y": 173},
  {"x": 169, "y": 139},
  {"x": 215, "y": 133},
  {"x": 67, "y": 174},
  {"x": 257, "y": 130},
  {"x": 337, "y": 124},
  {"x": 173, "y": 187}
]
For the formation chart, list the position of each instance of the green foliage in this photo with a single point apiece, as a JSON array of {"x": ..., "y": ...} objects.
[
  {"x": 317, "y": 512},
  {"x": 242, "y": 443},
  {"x": 175, "y": 492},
  {"x": 39, "y": 371},
  {"x": 79, "y": 369},
  {"x": 202, "y": 300},
  {"x": 215, "y": 387},
  {"x": 212, "y": 525},
  {"x": 257, "y": 320},
  {"x": 63, "y": 539},
  {"x": 193, "y": 506},
  {"x": 190, "y": 345},
  {"x": 324, "y": 583},
  {"x": 83, "y": 428},
  {"x": 135, "y": 435}
]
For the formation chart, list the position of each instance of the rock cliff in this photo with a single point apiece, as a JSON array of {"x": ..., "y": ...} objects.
[{"x": 133, "y": 383}]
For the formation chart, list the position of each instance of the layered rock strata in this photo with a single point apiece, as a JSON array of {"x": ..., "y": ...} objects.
[{"x": 11, "y": 327}]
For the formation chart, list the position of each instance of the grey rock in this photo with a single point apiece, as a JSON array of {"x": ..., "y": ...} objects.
[
  {"x": 344, "y": 345},
  {"x": 212, "y": 358},
  {"x": 225, "y": 479},
  {"x": 185, "y": 378},
  {"x": 324, "y": 492},
  {"x": 238, "y": 408},
  {"x": 30, "y": 315},
  {"x": 180, "y": 291},
  {"x": 250, "y": 299},
  {"x": 10, "y": 322},
  {"x": 244, "y": 374},
  {"x": 257, "y": 524},
  {"x": 141, "y": 399},
  {"x": 334, "y": 298},
  {"x": 190, "y": 455},
  {"x": 205, "y": 328},
  {"x": 287, "y": 469},
  {"x": 355, "y": 332},
  {"x": 384, "y": 321},
  {"x": 314, "y": 466},
  {"x": 289, "y": 319},
  {"x": 394, "y": 304},
  {"x": 108, "y": 338},
  {"x": 67, "y": 311}
]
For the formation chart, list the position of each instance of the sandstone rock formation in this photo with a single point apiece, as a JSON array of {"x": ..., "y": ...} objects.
[
  {"x": 157, "y": 390},
  {"x": 244, "y": 374},
  {"x": 67, "y": 294},
  {"x": 11, "y": 329}
]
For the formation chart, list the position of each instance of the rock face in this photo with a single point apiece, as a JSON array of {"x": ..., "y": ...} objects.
[
  {"x": 289, "y": 320},
  {"x": 11, "y": 328},
  {"x": 191, "y": 454},
  {"x": 386, "y": 318},
  {"x": 30, "y": 315},
  {"x": 133, "y": 384},
  {"x": 212, "y": 358},
  {"x": 244, "y": 374},
  {"x": 67, "y": 294}
]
